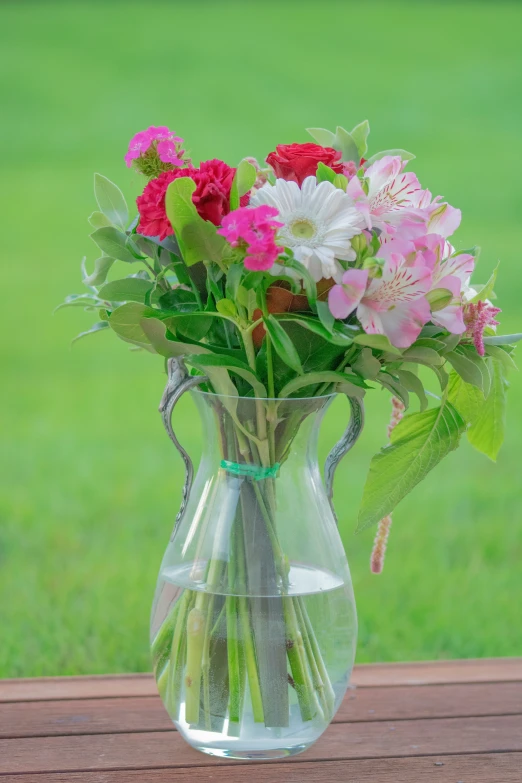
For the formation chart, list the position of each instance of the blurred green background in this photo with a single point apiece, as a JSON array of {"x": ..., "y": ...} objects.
[{"x": 90, "y": 482}]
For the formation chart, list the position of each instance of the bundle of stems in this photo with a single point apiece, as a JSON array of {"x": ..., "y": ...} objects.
[{"x": 244, "y": 641}]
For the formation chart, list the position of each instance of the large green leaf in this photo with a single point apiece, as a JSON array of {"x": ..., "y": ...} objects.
[
  {"x": 471, "y": 368},
  {"x": 158, "y": 336},
  {"x": 418, "y": 443},
  {"x": 413, "y": 384},
  {"x": 197, "y": 238},
  {"x": 111, "y": 201},
  {"x": 467, "y": 398},
  {"x": 486, "y": 433},
  {"x": 314, "y": 325},
  {"x": 283, "y": 345},
  {"x": 113, "y": 243},
  {"x": 377, "y": 341},
  {"x": 502, "y": 339},
  {"x": 347, "y": 145}
]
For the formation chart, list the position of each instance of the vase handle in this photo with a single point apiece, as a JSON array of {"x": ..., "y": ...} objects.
[
  {"x": 178, "y": 382},
  {"x": 343, "y": 446}
]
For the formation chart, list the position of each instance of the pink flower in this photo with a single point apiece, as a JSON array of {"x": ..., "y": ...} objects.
[
  {"x": 166, "y": 147},
  {"x": 344, "y": 297},
  {"x": 395, "y": 304},
  {"x": 255, "y": 229},
  {"x": 211, "y": 198},
  {"x": 443, "y": 219},
  {"x": 392, "y": 198},
  {"x": 477, "y": 317}
]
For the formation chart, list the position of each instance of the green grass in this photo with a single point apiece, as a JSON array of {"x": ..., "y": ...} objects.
[{"x": 90, "y": 482}]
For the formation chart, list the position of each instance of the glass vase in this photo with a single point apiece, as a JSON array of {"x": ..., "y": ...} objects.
[{"x": 254, "y": 626}]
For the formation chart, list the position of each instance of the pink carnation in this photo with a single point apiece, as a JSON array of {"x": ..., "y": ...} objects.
[
  {"x": 211, "y": 198},
  {"x": 166, "y": 145},
  {"x": 255, "y": 228}
]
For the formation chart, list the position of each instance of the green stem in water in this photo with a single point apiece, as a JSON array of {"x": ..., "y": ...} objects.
[
  {"x": 162, "y": 643},
  {"x": 329, "y": 695},
  {"x": 298, "y": 664},
  {"x": 177, "y": 655},
  {"x": 195, "y": 640},
  {"x": 234, "y": 674}
]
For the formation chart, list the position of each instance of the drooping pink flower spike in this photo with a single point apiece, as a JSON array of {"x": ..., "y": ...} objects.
[
  {"x": 344, "y": 297},
  {"x": 477, "y": 317}
]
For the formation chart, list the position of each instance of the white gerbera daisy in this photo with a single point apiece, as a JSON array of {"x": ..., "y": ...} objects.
[{"x": 319, "y": 222}]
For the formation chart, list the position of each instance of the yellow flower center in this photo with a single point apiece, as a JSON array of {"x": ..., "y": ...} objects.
[{"x": 303, "y": 229}]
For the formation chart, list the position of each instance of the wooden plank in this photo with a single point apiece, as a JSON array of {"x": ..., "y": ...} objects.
[
  {"x": 483, "y": 768},
  {"x": 364, "y": 675},
  {"x": 146, "y": 713},
  {"x": 342, "y": 741}
]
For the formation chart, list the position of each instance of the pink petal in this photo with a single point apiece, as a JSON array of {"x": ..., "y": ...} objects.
[
  {"x": 402, "y": 324},
  {"x": 444, "y": 220},
  {"x": 344, "y": 298},
  {"x": 338, "y": 302},
  {"x": 451, "y": 318}
]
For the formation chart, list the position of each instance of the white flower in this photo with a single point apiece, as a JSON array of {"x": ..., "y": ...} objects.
[{"x": 319, "y": 222}]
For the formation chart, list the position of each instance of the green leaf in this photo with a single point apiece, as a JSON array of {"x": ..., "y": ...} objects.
[
  {"x": 314, "y": 325},
  {"x": 423, "y": 355},
  {"x": 204, "y": 361},
  {"x": 367, "y": 365},
  {"x": 113, "y": 243},
  {"x": 101, "y": 270},
  {"x": 412, "y": 383},
  {"x": 466, "y": 398},
  {"x": 227, "y": 307},
  {"x": 487, "y": 431},
  {"x": 360, "y": 135},
  {"x": 503, "y": 339},
  {"x": 197, "y": 238},
  {"x": 97, "y": 327},
  {"x": 178, "y": 299},
  {"x": 283, "y": 345},
  {"x": 340, "y": 379},
  {"x": 111, "y": 201},
  {"x": 243, "y": 181},
  {"x": 486, "y": 291},
  {"x": 306, "y": 277},
  {"x": 502, "y": 355},
  {"x": 340, "y": 181},
  {"x": 324, "y": 173},
  {"x": 395, "y": 387},
  {"x": 99, "y": 220},
  {"x": 129, "y": 289},
  {"x": 346, "y": 144},
  {"x": 398, "y": 152},
  {"x": 234, "y": 275},
  {"x": 126, "y": 322},
  {"x": 158, "y": 337},
  {"x": 322, "y": 136},
  {"x": 471, "y": 368},
  {"x": 377, "y": 341},
  {"x": 418, "y": 443}
]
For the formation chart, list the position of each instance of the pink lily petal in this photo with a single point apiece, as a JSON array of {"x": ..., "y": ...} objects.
[
  {"x": 344, "y": 297},
  {"x": 402, "y": 325}
]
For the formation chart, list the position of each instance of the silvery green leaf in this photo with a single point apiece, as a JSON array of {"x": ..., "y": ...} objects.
[
  {"x": 322, "y": 136},
  {"x": 111, "y": 201},
  {"x": 97, "y": 327},
  {"x": 101, "y": 270},
  {"x": 99, "y": 220},
  {"x": 113, "y": 243},
  {"x": 346, "y": 144},
  {"x": 394, "y": 153},
  {"x": 360, "y": 135}
]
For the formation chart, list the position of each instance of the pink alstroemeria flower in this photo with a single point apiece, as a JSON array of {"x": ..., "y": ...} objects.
[
  {"x": 391, "y": 198},
  {"x": 344, "y": 297},
  {"x": 395, "y": 304},
  {"x": 443, "y": 219}
]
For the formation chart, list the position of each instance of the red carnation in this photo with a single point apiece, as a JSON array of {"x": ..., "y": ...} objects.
[
  {"x": 295, "y": 162},
  {"x": 211, "y": 198}
]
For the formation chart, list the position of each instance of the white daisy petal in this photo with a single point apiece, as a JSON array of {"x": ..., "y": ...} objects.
[{"x": 319, "y": 222}]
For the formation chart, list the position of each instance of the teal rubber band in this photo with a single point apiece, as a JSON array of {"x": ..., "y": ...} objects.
[{"x": 257, "y": 472}]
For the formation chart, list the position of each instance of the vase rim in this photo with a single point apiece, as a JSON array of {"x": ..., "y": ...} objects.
[{"x": 196, "y": 390}]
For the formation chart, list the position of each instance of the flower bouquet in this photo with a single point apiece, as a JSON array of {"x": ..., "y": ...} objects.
[{"x": 268, "y": 291}]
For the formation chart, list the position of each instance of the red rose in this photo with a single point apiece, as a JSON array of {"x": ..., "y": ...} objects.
[
  {"x": 211, "y": 198},
  {"x": 295, "y": 162}
]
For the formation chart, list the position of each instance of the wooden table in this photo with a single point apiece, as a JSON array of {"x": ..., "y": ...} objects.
[{"x": 444, "y": 722}]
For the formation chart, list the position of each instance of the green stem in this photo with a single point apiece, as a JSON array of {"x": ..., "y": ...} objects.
[
  {"x": 234, "y": 675},
  {"x": 162, "y": 643},
  {"x": 247, "y": 636},
  {"x": 195, "y": 640},
  {"x": 329, "y": 695},
  {"x": 297, "y": 659},
  {"x": 177, "y": 655}
]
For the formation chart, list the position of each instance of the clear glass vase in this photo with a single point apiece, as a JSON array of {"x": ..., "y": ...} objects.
[{"x": 254, "y": 624}]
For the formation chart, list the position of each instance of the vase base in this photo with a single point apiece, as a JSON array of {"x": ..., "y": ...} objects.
[{"x": 269, "y": 754}]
